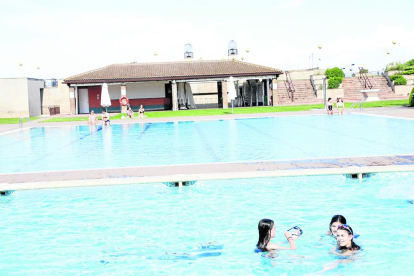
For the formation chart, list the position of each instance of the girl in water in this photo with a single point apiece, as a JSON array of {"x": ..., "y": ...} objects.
[
  {"x": 333, "y": 226},
  {"x": 345, "y": 237},
  {"x": 267, "y": 231}
]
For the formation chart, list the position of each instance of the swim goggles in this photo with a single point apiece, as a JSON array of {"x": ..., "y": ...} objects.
[
  {"x": 296, "y": 228},
  {"x": 346, "y": 227}
]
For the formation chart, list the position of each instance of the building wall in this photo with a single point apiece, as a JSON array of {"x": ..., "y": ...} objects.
[
  {"x": 150, "y": 95},
  {"x": 145, "y": 90},
  {"x": 14, "y": 98},
  {"x": 53, "y": 96},
  {"x": 34, "y": 86}
]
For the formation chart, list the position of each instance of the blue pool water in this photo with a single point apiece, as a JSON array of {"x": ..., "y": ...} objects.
[
  {"x": 83, "y": 147},
  {"x": 209, "y": 228}
]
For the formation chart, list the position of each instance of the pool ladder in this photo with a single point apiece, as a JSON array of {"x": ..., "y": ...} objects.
[
  {"x": 21, "y": 121},
  {"x": 361, "y": 106}
]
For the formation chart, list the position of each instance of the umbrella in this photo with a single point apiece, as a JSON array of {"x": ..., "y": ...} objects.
[
  {"x": 105, "y": 100},
  {"x": 231, "y": 91}
]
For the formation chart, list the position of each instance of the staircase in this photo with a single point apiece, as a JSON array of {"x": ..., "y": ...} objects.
[
  {"x": 303, "y": 94},
  {"x": 351, "y": 87}
]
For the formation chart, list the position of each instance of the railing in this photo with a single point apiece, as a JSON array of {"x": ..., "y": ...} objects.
[
  {"x": 313, "y": 85},
  {"x": 363, "y": 78},
  {"x": 289, "y": 85},
  {"x": 390, "y": 83},
  {"x": 361, "y": 106},
  {"x": 21, "y": 121}
]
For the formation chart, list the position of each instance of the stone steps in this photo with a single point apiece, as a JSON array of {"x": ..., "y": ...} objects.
[{"x": 351, "y": 87}]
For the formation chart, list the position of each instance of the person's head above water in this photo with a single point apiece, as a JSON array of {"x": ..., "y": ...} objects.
[
  {"x": 345, "y": 237},
  {"x": 266, "y": 232},
  {"x": 335, "y": 221}
]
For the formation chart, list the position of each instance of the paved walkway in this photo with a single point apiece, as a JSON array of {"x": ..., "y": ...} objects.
[{"x": 175, "y": 173}]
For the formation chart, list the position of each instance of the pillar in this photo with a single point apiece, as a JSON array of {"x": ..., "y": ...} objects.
[
  {"x": 72, "y": 100},
  {"x": 275, "y": 98},
  {"x": 123, "y": 93},
  {"x": 225, "y": 97},
  {"x": 174, "y": 96}
]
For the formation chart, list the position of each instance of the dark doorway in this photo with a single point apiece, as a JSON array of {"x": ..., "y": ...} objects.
[
  {"x": 41, "y": 101},
  {"x": 168, "y": 96},
  {"x": 220, "y": 94}
]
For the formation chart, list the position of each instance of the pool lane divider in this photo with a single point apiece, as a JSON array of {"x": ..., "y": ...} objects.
[{"x": 214, "y": 171}]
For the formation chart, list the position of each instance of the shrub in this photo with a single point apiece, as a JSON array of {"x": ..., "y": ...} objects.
[
  {"x": 411, "y": 100},
  {"x": 396, "y": 76},
  {"x": 400, "y": 80},
  {"x": 335, "y": 76},
  {"x": 410, "y": 63},
  {"x": 408, "y": 72},
  {"x": 334, "y": 82},
  {"x": 334, "y": 72},
  {"x": 364, "y": 71}
]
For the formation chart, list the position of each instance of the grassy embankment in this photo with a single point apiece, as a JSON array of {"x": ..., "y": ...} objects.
[{"x": 5, "y": 121}]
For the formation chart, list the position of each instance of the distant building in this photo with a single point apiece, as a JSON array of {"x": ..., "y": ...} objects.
[{"x": 172, "y": 85}]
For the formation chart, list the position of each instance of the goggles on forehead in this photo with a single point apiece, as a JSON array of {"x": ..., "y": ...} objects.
[{"x": 346, "y": 227}]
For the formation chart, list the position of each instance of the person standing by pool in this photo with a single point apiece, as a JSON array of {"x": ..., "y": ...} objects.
[
  {"x": 329, "y": 105},
  {"x": 141, "y": 111},
  {"x": 92, "y": 120},
  {"x": 340, "y": 106},
  {"x": 105, "y": 118},
  {"x": 333, "y": 226},
  {"x": 267, "y": 231}
]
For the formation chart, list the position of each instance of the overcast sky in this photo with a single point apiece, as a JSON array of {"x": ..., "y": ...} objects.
[{"x": 64, "y": 38}]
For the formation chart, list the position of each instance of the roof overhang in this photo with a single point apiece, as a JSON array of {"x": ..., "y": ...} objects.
[{"x": 265, "y": 75}]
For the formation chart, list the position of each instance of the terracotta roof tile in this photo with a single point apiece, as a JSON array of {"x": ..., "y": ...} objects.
[{"x": 172, "y": 70}]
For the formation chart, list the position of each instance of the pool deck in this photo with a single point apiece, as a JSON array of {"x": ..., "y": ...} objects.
[{"x": 191, "y": 172}]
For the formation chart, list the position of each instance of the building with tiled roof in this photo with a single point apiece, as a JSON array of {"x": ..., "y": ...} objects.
[{"x": 168, "y": 85}]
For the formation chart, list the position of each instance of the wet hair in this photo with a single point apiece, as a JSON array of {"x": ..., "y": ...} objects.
[
  {"x": 337, "y": 218},
  {"x": 265, "y": 227},
  {"x": 353, "y": 246},
  {"x": 329, "y": 99},
  {"x": 337, "y": 100}
]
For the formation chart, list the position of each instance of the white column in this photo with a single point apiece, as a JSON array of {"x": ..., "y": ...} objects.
[
  {"x": 77, "y": 100},
  {"x": 123, "y": 93},
  {"x": 174, "y": 96}
]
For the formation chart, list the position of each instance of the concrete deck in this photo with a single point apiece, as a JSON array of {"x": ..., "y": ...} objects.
[{"x": 175, "y": 173}]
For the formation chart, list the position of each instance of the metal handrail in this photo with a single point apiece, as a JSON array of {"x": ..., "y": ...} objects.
[
  {"x": 363, "y": 78},
  {"x": 21, "y": 121},
  {"x": 390, "y": 83},
  {"x": 361, "y": 106},
  {"x": 313, "y": 85},
  {"x": 291, "y": 87}
]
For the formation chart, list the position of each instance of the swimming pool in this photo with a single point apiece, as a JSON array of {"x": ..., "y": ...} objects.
[
  {"x": 272, "y": 138},
  {"x": 209, "y": 228}
]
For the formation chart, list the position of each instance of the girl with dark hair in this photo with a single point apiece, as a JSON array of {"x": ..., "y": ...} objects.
[
  {"x": 333, "y": 226},
  {"x": 329, "y": 106},
  {"x": 345, "y": 237},
  {"x": 267, "y": 231}
]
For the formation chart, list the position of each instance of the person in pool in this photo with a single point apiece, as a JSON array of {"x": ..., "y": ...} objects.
[
  {"x": 267, "y": 231},
  {"x": 333, "y": 226},
  {"x": 105, "y": 118},
  {"x": 345, "y": 238},
  {"x": 92, "y": 120},
  {"x": 329, "y": 105}
]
